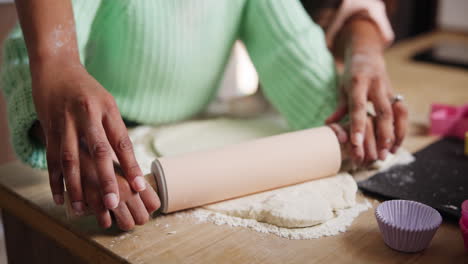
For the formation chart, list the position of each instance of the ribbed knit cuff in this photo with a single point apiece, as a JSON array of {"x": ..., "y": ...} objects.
[
  {"x": 21, "y": 116},
  {"x": 16, "y": 83}
]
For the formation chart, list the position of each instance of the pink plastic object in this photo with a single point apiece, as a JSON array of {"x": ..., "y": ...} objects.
[
  {"x": 449, "y": 121},
  {"x": 407, "y": 226},
  {"x": 464, "y": 223}
]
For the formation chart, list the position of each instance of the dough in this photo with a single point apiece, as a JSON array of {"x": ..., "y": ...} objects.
[
  {"x": 207, "y": 134},
  {"x": 151, "y": 142},
  {"x": 301, "y": 205}
]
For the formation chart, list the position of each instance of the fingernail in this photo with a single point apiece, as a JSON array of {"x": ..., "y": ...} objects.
[
  {"x": 58, "y": 199},
  {"x": 341, "y": 139},
  {"x": 358, "y": 138},
  {"x": 78, "y": 208},
  {"x": 139, "y": 184},
  {"x": 394, "y": 149},
  {"x": 358, "y": 156},
  {"x": 383, "y": 154},
  {"x": 111, "y": 201}
]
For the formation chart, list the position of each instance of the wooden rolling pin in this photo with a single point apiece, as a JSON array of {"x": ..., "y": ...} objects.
[{"x": 200, "y": 178}]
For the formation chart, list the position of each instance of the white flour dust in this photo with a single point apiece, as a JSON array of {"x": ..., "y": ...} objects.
[{"x": 334, "y": 226}]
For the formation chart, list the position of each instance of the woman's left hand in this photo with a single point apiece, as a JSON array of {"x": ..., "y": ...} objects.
[{"x": 365, "y": 80}]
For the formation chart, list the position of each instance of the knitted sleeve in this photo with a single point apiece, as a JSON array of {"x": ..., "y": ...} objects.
[
  {"x": 16, "y": 84},
  {"x": 289, "y": 51}
]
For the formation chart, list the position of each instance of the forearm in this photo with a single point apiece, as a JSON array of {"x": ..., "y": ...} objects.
[
  {"x": 359, "y": 34},
  {"x": 49, "y": 31}
]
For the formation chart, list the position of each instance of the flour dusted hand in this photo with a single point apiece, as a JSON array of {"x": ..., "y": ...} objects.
[
  {"x": 76, "y": 113},
  {"x": 365, "y": 79}
]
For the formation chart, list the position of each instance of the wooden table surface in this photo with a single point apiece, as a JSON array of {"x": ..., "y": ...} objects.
[{"x": 25, "y": 194}]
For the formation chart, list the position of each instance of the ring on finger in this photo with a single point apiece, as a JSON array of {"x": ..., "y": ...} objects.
[{"x": 397, "y": 98}]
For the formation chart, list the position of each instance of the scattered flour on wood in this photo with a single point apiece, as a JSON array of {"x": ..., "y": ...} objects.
[{"x": 343, "y": 219}]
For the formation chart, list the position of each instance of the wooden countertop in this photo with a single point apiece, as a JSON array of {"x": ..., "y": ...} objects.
[{"x": 25, "y": 193}]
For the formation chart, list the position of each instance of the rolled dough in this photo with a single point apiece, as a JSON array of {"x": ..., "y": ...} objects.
[
  {"x": 301, "y": 205},
  {"x": 208, "y": 134}
]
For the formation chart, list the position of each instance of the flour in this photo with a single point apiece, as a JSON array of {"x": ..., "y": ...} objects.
[
  {"x": 401, "y": 157},
  {"x": 334, "y": 226}
]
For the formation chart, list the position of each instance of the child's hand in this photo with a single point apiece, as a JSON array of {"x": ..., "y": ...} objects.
[
  {"x": 133, "y": 209},
  {"x": 369, "y": 144},
  {"x": 73, "y": 109}
]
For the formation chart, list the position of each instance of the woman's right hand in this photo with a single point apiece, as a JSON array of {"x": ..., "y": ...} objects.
[{"x": 73, "y": 110}]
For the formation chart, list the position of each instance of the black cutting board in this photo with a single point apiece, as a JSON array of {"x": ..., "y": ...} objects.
[{"x": 438, "y": 177}]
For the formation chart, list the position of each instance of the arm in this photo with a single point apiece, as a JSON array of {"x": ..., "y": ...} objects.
[
  {"x": 359, "y": 46},
  {"x": 296, "y": 70},
  {"x": 73, "y": 109},
  {"x": 8, "y": 14},
  {"x": 357, "y": 34},
  {"x": 49, "y": 31}
]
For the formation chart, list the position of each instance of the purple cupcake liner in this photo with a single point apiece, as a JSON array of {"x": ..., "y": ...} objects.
[{"x": 407, "y": 226}]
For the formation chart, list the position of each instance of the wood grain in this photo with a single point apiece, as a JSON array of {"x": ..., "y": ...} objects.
[
  {"x": 31, "y": 246},
  {"x": 25, "y": 194}
]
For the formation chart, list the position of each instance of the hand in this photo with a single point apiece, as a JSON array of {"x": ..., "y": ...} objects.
[
  {"x": 73, "y": 107},
  {"x": 370, "y": 146},
  {"x": 133, "y": 209},
  {"x": 365, "y": 79}
]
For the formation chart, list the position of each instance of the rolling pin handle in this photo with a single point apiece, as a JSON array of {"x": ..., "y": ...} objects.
[{"x": 159, "y": 180}]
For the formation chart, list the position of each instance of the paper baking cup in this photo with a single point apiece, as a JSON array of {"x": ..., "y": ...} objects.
[{"x": 407, "y": 226}]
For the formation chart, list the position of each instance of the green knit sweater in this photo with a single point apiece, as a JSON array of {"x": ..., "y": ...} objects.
[{"x": 163, "y": 60}]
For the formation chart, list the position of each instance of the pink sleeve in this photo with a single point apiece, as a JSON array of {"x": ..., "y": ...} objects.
[{"x": 375, "y": 11}]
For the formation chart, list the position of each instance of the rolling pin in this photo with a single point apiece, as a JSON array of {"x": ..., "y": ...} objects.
[{"x": 199, "y": 178}]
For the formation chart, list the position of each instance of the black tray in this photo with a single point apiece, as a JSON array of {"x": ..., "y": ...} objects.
[{"x": 438, "y": 178}]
